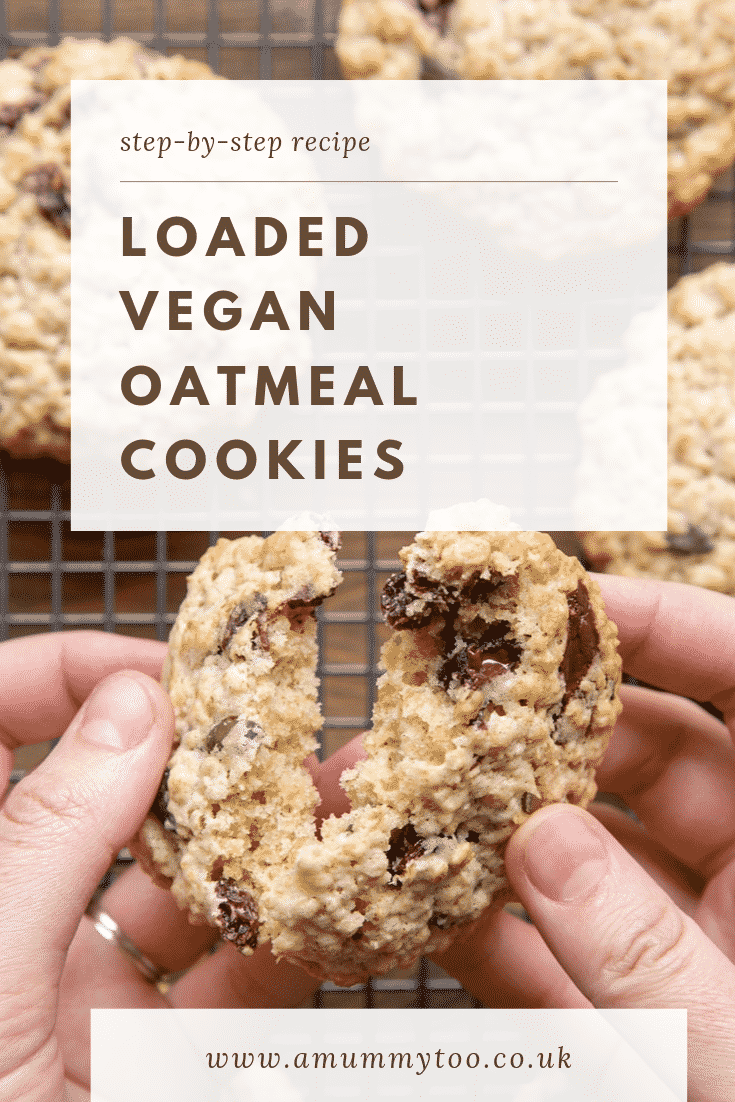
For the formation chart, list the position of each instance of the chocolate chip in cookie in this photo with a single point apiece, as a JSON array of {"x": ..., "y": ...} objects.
[
  {"x": 238, "y": 914},
  {"x": 217, "y": 734},
  {"x": 47, "y": 183},
  {"x": 694, "y": 541},
  {"x": 405, "y": 845},
  {"x": 582, "y": 641},
  {"x": 333, "y": 540},
  {"x": 160, "y": 809},
  {"x": 239, "y": 617},
  {"x": 12, "y": 113},
  {"x": 474, "y": 663},
  {"x": 530, "y": 802},
  {"x": 403, "y": 609}
]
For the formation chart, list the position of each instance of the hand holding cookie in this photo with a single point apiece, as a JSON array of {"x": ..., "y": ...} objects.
[
  {"x": 644, "y": 923},
  {"x": 59, "y": 829},
  {"x": 637, "y": 913}
]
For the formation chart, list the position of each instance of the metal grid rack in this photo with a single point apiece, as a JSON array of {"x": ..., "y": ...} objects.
[
  {"x": 241, "y": 39},
  {"x": 53, "y": 580}
]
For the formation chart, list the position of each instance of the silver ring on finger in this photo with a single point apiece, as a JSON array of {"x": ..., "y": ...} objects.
[{"x": 107, "y": 928}]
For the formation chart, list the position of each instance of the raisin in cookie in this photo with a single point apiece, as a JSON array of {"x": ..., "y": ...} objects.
[
  {"x": 35, "y": 145},
  {"x": 690, "y": 44},
  {"x": 499, "y": 693},
  {"x": 699, "y": 546}
]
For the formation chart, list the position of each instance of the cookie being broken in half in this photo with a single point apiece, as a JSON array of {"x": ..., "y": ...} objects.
[{"x": 499, "y": 695}]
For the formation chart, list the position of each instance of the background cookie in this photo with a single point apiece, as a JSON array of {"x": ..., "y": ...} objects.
[
  {"x": 691, "y": 44},
  {"x": 499, "y": 695},
  {"x": 35, "y": 219},
  {"x": 699, "y": 546}
]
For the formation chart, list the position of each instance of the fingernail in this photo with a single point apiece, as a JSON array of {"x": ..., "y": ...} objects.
[
  {"x": 118, "y": 714},
  {"x": 563, "y": 858}
]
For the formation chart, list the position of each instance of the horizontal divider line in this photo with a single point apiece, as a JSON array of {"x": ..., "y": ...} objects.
[{"x": 369, "y": 181}]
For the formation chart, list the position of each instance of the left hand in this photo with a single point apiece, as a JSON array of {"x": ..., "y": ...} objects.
[{"x": 60, "y": 829}]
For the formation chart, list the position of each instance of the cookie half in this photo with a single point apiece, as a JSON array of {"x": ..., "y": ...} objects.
[
  {"x": 699, "y": 545},
  {"x": 241, "y": 676},
  {"x": 499, "y": 694}
]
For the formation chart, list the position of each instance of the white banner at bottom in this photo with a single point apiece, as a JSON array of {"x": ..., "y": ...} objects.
[{"x": 313, "y": 1055}]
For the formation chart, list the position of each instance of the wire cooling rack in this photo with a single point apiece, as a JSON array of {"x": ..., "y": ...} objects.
[
  {"x": 241, "y": 39},
  {"x": 54, "y": 580}
]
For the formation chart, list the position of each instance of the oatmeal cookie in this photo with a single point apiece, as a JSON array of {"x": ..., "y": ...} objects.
[
  {"x": 499, "y": 693},
  {"x": 699, "y": 545},
  {"x": 35, "y": 219},
  {"x": 689, "y": 43},
  {"x": 241, "y": 676}
]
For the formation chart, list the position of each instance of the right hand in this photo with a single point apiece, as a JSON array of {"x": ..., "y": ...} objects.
[{"x": 640, "y": 913}]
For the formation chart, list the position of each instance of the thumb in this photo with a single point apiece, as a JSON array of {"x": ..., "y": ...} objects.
[
  {"x": 60, "y": 829},
  {"x": 620, "y": 937}
]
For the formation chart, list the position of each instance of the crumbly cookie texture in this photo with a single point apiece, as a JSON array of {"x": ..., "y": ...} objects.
[
  {"x": 241, "y": 676},
  {"x": 699, "y": 546},
  {"x": 499, "y": 694},
  {"x": 35, "y": 221},
  {"x": 689, "y": 43}
]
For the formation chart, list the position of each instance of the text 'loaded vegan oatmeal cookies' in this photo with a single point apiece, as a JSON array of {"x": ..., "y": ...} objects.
[
  {"x": 699, "y": 545},
  {"x": 35, "y": 224},
  {"x": 689, "y": 43},
  {"x": 499, "y": 694}
]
